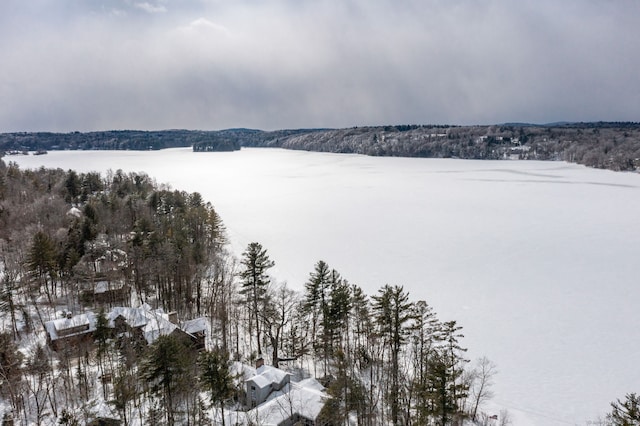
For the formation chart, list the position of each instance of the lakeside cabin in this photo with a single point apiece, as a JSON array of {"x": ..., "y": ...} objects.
[
  {"x": 143, "y": 323},
  {"x": 72, "y": 330},
  {"x": 275, "y": 397}
]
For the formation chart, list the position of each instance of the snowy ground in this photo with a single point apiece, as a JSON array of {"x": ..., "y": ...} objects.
[{"x": 536, "y": 260}]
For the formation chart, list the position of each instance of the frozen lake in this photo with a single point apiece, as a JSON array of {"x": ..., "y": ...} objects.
[{"x": 538, "y": 261}]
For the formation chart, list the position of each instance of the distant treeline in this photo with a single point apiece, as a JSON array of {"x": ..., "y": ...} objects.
[
  {"x": 113, "y": 139},
  {"x": 218, "y": 140},
  {"x": 610, "y": 145}
]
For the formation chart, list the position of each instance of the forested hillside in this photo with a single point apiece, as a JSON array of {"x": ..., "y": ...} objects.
[
  {"x": 220, "y": 140},
  {"x": 614, "y": 146},
  {"x": 121, "y": 304}
]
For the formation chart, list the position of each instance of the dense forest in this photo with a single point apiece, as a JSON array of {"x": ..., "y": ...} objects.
[
  {"x": 121, "y": 304},
  {"x": 608, "y": 145}
]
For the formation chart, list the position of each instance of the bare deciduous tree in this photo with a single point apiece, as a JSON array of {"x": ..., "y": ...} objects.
[{"x": 482, "y": 380}]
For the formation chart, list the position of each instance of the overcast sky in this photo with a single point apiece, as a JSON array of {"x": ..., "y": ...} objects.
[{"x": 212, "y": 64}]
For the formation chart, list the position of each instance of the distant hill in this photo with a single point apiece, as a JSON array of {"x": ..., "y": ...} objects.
[
  {"x": 614, "y": 146},
  {"x": 611, "y": 145}
]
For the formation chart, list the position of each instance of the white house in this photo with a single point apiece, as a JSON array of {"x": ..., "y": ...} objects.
[
  {"x": 266, "y": 381},
  {"x": 274, "y": 399}
]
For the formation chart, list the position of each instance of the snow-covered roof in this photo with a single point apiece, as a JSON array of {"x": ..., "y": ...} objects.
[
  {"x": 244, "y": 371},
  {"x": 65, "y": 327},
  {"x": 311, "y": 384},
  {"x": 305, "y": 398},
  {"x": 156, "y": 327},
  {"x": 104, "y": 286},
  {"x": 268, "y": 375},
  {"x": 154, "y": 322},
  {"x": 75, "y": 212},
  {"x": 134, "y": 317},
  {"x": 195, "y": 325}
]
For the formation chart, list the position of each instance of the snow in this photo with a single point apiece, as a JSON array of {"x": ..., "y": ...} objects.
[
  {"x": 55, "y": 328},
  {"x": 105, "y": 286},
  {"x": 243, "y": 370},
  {"x": 267, "y": 375},
  {"x": 305, "y": 398},
  {"x": 536, "y": 260},
  {"x": 154, "y": 323},
  {"x": 75, "y": 212},
  {"x": 304, "y": 401},
  {"x": 102, "y": 410},
  {"x": 195, "y": 325},
  {"x": 134, "y": 317},
  {"x": 311, "y": 384}
]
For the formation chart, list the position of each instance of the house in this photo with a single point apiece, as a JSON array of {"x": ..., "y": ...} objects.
[
  {"x": 147, "y": 324},
  {"x": 143, "y": 324},
  {"x": 274, "y": 398},
  {"x": 297, "y": 403},
  {"x": 106, "y": 291},
  {"x": 198, "y": 329},
  {"x": 300, "y": 405},
  {"x": 72, "y": 330},
  {"x": 267, "y": 380}
]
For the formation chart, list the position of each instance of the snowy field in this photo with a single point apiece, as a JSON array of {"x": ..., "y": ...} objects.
[{"x": 536, "y": 260}]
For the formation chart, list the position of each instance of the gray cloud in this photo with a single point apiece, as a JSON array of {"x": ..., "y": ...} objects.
[{"x": 207, "y": 64}]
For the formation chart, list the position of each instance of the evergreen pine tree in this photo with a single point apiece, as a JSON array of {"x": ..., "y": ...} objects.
[
  {"x": 361, "y": 317},
  {"x": 315, "y": 300},
  {"x": 10, "y": 368},
  {"x": 334, "y": 310},
  {"x": 424, "y": 336},
  {"x": 455, "y": 353},
  {"x": 255, "y": 263},
  {"x": 101, "y": 338},
  {"x": 445, "y": 386},
  {"x": 41, "y": 263},
  {"x": 216, "y": 378},
  {"x": 392, "y": 313},
  {"x": 627, "y": 412},
  {"x": 339, "y": 308},
  {"x": 166, "y": 369}
]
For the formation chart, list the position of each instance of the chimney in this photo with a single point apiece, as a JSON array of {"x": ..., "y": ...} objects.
[
  {"x": 173, "y": 317},
  {"x": 259, "y": 361}
]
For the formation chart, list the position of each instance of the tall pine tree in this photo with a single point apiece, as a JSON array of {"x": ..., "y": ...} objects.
[
  {"x": 216, "y": 378},
  {"x": 316, "y": 301},
  {"x": 255, "y": 263},
  {"x": 392, "y": 313},
  {"x": 446, "y": 388},
  {"x": 166, "y": 369}
]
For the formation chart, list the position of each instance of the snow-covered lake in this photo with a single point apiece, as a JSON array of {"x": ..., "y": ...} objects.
[{"x": 538, "y": 261}]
